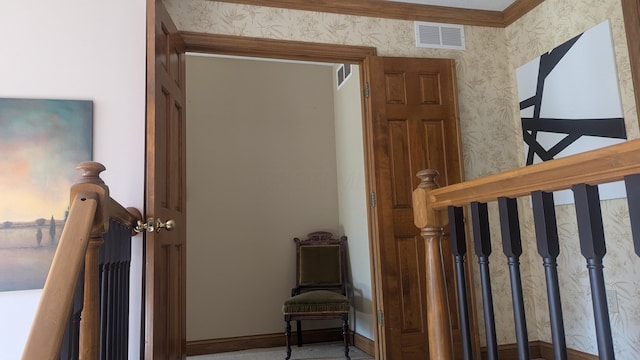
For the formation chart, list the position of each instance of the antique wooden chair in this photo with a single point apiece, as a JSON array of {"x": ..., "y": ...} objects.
[{"x": 321, "y": 285}]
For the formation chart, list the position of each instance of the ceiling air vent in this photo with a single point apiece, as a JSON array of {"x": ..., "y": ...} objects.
[{"x": 440, "y": 36}]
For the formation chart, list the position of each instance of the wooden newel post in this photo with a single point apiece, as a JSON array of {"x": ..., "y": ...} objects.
[
  {"x": 90, "y": 318},
  {"x": 430, "y": 223}
]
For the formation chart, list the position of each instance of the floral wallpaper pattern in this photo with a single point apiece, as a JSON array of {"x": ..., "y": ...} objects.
[
  {"x": 539, "y": 31},
  {"x": 491, "y": 139}
]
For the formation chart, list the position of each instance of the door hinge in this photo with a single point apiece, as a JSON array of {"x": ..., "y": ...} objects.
[
  {"x": 380, "y": 318},
  {"x": 374, "y": 200},
  {"x": 366, "y": 90}
]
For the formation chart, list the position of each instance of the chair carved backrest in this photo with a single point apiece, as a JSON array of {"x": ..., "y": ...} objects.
[{"x": 321, "y": 263}]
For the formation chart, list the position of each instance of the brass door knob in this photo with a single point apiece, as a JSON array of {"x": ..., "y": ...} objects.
[
  {"x": 169, "y": 225},
  {"x": 151, "y": 226}
]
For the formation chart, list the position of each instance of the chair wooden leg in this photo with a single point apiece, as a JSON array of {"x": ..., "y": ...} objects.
[
  {"x": 345, "y": 335},
  {"x": 299, "y": 332},
  {"x": 287, "y": 333}
]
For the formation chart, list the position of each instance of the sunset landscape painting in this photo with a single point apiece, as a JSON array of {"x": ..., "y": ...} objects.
[{"x": 41, "y": 143}]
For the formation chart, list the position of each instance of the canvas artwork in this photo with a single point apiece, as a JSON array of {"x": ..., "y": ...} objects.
[
  {"x": 41, "y": 143},
  {"x": 570, "y": 102}
]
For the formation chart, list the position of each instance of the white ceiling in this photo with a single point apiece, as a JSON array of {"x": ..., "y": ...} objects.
[{"x": 496, "y": 5}]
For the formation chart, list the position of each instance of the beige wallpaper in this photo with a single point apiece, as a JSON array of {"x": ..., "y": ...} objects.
[
  {"x": 483, "y": 85},
  {"x": 540, "y": 31},
  {"x": 490, "y": 129}
]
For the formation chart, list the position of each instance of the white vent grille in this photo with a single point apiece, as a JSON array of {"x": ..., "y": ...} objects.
[
  {"x": 440, "y": 36},
  {"x": 343, "y": 72}
]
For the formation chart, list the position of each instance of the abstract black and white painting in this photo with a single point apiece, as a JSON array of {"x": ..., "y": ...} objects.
[{"x": 570, "y": 102}]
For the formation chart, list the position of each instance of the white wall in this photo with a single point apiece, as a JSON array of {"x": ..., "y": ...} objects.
[
  {"x": 352, "y": 198},
  {"x": 88, "y": 50}
]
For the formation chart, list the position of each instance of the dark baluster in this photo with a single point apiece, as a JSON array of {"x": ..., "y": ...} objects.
[
  {"x": 124, "y": 249},
  {"x": 459, "y": 250},
  {"x": 115, "y": 317},
  {"x": 114, "y": 300},
  {"x": 632, "y": 183},
  {"x": 512, "y": 248},
  {"x": 482, "y": 244},
  {"x": 126, "y": 288},
  {"x": 118, "y": 302},
  {"x": 115, "y": 259},
  {"x": 592, "y": 246},
  {"x": 113, "y": 292},
  {"x": 544, "y": 215},
  {"x": 104, "y": 283},
  {"x": 105, "y": 292}
]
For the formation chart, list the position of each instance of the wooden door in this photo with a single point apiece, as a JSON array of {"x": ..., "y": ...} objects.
[
  {"x": 414, "y": 126},
  {"x": 165, "y": 253}
]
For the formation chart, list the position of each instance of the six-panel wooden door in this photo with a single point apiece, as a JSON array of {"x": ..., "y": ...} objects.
[{"x": 414, "y": 126}]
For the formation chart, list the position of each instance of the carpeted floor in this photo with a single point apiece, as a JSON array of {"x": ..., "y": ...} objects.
[{"x": 326, "y": 351}]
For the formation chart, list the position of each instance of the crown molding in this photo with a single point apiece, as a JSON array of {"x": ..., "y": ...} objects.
[
  {"x": 405, "y": 11},
  {"x": 518, "y": 9},
  {"x": 388, "y": 10}
]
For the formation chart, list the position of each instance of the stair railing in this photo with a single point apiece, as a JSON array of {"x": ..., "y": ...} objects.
[
  {"x": 77, "y": 258},
  {"x": 434, "y": 207}
]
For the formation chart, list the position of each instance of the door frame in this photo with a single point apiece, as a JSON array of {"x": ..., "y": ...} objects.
[{"x": 231, "y": 45}]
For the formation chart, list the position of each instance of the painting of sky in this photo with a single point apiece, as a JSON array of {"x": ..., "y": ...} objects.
[{"x": 41, "y": 143}]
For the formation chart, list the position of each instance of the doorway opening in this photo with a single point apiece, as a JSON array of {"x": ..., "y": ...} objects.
[{"x": 274, "y": 150}]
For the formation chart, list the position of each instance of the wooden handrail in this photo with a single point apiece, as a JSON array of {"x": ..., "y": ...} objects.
[
  {"x": 48, "y": 327},
  {"x": 89, "y": 216},
  {"x": 594, "y": 167}
]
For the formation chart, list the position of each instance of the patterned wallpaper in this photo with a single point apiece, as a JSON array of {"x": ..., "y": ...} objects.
[
  {"x": 539, "y": 31},
  {"x": 490, "y": 128},
  {"x": 484, "y": 88}
]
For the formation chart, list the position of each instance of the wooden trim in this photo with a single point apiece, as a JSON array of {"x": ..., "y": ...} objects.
[
  {"x": 214, "y": 346},
  {"x": 271, "y": 48},
  {"x": 289, "y": 50},
  {"x": 518, "y": 9},
  {"x": 631, "y": 12},
  {"x": 537, "y": 349},
  {"x": 603, "y": 165},
  {"x": 365, "y": 344},
  {"x": 388, "y": 10},
  {"x": 546, "y": 352},
  {"x": 510, "y": 351},
  {"x": 372, "y": 214}
]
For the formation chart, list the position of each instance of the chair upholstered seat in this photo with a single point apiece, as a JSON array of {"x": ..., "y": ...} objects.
[{"x": 318, "y": 301}]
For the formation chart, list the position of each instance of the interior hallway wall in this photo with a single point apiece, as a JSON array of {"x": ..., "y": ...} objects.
[
  {"x": 261, "y": 170},
  {"x": 352, "y": 197},
  {"x": 77, "y": 51}
]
